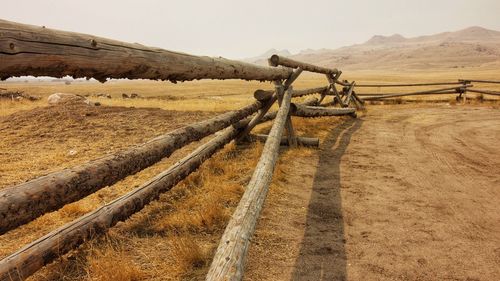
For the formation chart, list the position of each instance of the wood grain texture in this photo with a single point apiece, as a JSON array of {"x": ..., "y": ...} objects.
[
  {"x": 38, "y": 51},
  {"x": 316, "y": 111},
  {"x": 302, "y": 141},
  {"x": 276, "y": 60}
]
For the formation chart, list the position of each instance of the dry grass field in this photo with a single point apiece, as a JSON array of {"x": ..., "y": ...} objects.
[{"x": 405, "y": 192}]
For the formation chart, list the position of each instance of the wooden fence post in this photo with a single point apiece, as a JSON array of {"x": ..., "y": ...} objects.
[
  {"x": 332, "y": 80},
  {"x": 347, "y": 100},
  {"x": 262, "y": 112},
  {"x": 292, "y": 140},
  {"x": 464, "y": 94}
]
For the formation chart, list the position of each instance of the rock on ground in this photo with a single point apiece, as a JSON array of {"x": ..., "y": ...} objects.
[{"x": 59, "y": 98}]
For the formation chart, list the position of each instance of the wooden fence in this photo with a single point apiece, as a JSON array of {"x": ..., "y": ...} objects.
[
  {"x": 39, "y": 51},
  {"x": 462, "y": 87}
]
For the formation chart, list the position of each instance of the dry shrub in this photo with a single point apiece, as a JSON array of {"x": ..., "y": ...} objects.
[
  {"x": 208, "y": 217},
  {"x": 111, "y": 262},
  {"x": 187, "y": 253},
  {"x": 216, "y": 167},
  {"x": 195, "y": 180}
]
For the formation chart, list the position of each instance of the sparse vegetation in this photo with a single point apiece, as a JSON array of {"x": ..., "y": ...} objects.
[{"x": 174, "y": 237}]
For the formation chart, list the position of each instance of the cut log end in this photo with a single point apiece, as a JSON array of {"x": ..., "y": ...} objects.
[{"x": 263, "y": 95}]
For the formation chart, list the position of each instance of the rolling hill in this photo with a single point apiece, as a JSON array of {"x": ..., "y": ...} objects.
[{"x": 470, "y": 47}]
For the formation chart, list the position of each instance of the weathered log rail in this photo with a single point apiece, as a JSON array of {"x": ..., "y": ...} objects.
[
  {"x": 454, "y": 90},
  {"x": 407, "y": 85},
  {"x": 461, "y": 89},
  {"x": 39, "y": 51},
  {"x": 467, "y": 81},
  {"x": 276, "y": 60},
  {"x": 487, "y": 92}
]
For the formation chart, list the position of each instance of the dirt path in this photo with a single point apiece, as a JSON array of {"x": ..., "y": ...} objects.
[{"x": 411, "y": 193}]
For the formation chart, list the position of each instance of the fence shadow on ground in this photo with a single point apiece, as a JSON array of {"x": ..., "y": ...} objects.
[{"x": 322, "y": 254}]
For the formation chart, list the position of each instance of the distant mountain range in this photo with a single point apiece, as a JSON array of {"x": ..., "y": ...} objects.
[{"x": 470, "y": 47}]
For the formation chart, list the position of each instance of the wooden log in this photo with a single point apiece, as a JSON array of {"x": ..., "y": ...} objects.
[
  {"x": 408, "y": 84},
  {"x": 355, "y": 95},
  {"x": 229, "y": 260},
  {"x": 342, "y": 83},
  {"x": 260, "y": 114},
  {"x": 429, "y": 92},
  {"x": 463, "y": 91},
  {"x": 315, "y": 111},
  {"x": 40, "y": 51},
  {"x": 486, "y": 92},
  {"x": 263, "y": 95},
  {"x": 276, "y": 60},
  {"x": 332, "y": 80},
  {"x": 305, "y": 92},
  {"x": 337, "y": 96},
  {"x": 271, "y": 115},
  {"x": 467, "y": 81},
  {"x": 310, "y": 101},
  {"x": 302, "y": 141},
  {"x": 24, "y": 202},
  {"x": 347, "y": 100},
  {"x": 323, "y": 94},
  {"x": 290, "y": 132},
  {"x": 279, "y": 93},
  {"x": 32, "y": 257},
  {"x": 372, "y": 98}
]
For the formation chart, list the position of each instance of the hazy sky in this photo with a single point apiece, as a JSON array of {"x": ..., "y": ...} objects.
[{"x": 238, "y": 29}]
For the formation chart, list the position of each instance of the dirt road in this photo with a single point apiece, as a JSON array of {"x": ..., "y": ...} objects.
[{"x": 403, "y": 193}]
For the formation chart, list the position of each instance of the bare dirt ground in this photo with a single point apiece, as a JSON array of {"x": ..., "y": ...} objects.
[{"x": 404, "y": 193}]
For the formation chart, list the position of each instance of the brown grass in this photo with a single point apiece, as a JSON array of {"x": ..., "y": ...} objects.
[
  {"x": 188, "y": 253},
  {"x": 113, "y": 262},
  {"x": 174, "y": 237}
]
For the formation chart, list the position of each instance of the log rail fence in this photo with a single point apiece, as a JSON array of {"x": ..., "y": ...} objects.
[{"x": 39, "y": 51}]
